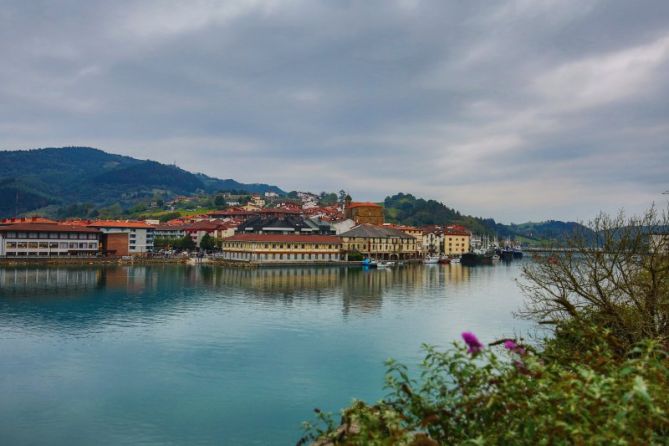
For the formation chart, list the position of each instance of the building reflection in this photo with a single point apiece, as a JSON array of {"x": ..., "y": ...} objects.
[
  {"x": 32, "y": 281},
  {"x": 162, "y": 287}
]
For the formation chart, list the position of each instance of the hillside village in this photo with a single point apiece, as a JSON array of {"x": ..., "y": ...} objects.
[{"x": 268, "y": 228}]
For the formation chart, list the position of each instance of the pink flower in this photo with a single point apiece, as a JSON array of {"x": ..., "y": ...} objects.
[{"x": 474, "y": 346}]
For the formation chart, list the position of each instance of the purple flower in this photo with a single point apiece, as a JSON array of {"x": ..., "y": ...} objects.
[
  {"x": 473, "y": 344},
  {"x": 512, "y": 346}
]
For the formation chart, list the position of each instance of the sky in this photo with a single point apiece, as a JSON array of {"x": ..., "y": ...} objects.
[{"x": 517, "y": 110}]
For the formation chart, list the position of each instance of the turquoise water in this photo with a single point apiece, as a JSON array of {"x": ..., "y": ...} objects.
[{"x": 177, "y": 355}]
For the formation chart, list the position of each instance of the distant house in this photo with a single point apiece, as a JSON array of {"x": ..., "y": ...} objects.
[
  {"x": 282, "y": 248},
  {"x": 48, "y": 240},
  {"x": 380, "y": 243}
]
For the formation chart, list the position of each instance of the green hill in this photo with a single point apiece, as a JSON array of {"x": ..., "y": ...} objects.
[
  {"x": 409, "y": 210},
  {"x": 60, "y": 177}
]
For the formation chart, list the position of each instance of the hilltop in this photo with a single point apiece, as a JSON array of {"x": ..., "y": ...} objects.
[{"x": 51, "y": 178}]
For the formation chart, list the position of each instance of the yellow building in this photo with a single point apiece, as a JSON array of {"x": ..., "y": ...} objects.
[
  {"x": 413, "y": 231},
  {"x": 456, "y": 240},
  {"x": 282, "y": 248},
  {"x": 380, "y": 243}
]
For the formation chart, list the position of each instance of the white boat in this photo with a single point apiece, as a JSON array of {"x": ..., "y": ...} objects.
[
  {"x": 431, "y": 260},
  {"x": 455, "y": 260}
]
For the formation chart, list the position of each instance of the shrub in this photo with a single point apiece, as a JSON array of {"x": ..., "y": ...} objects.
[{"x": 515, "y": 398}]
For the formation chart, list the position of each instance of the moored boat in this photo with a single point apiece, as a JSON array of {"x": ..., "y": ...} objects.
[{"x": 431, "y": 260}]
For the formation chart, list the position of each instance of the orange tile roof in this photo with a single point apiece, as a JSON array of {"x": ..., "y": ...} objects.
[
  {"x": 46, "y": 227},
  {"x": 358, "y": 204},
  {"x": 30, "y": 220}
]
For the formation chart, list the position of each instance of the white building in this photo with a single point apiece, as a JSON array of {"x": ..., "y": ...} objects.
[
  {"x": 48, "y": 240},
  {"x": 140, "y": 234}
]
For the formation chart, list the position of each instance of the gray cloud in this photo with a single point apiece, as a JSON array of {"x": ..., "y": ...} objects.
[{"x": 525, "y": 109}]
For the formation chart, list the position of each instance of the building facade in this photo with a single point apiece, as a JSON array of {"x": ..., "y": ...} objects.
[
  {"x": 364, "y": 213},
  {"x": 380, "y": 243},
  {"x": 282, "y": 248},
  {"x": 456, "y": 240},
  {"x": 140, "y": 234},
  {"x": 48, "y": 240}
]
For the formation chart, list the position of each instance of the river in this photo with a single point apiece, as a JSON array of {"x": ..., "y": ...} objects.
[{"x": 199, "y": 355}]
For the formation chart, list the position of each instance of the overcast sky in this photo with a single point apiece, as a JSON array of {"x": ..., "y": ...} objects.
[{"x": 519, "y": 110}]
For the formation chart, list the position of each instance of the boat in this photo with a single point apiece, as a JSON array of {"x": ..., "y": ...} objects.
[
  {"x": 478, "y": 258},
  {"x": 370, "y": 263},
  {"x": 431, "y": 260},
  {"x": 444, "y": 260},
  {"x": 517, "y": 252},
  {"x": 454, "y": 260}
]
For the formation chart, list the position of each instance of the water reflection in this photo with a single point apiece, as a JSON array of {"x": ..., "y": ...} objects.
[{"x": 159, "y": 287}]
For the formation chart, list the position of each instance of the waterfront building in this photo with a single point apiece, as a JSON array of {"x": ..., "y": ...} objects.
[
  {"x": 433, "y": 239},
  {"x": 456, "y": 240},
  {"x": 140, "y": 234},
  {"x": 381, "y": 243},
  {"x": 216, "y": 229},
  {"x": 364, "y": 212},
  {"x": 48, "y": 240},
  {"x": 169, "y": 231},
  {"x": 413, "y": 231},
  {"x": 282, "y": 248}
]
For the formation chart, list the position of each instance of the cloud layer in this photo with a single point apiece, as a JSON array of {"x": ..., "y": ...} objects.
[{"x": 523, "y": 109}]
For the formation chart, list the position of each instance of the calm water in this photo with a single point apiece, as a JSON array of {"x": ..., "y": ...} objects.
[{"x": 176, "y": 355}]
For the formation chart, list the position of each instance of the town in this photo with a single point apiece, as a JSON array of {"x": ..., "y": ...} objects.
[{"x": 268, "y": 229}]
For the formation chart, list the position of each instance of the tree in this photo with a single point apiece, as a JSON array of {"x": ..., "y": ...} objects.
[
  {"x": 185, "y": 242},
  {"x": 219, "y": 201},
  {"x": 207, "y": 243},
  {"x": 614, "y": 277}
]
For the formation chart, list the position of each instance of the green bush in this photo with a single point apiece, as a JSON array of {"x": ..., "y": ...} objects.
[{"x": 518, "y": 397}]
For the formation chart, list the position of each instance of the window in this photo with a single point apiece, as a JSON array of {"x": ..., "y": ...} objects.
[{"x": 11, "y": 244}]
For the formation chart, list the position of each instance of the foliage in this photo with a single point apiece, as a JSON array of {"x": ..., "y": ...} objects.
[
  {"x": 208, "y": 243},
  {"x": 169, "y": 216},
  {"x": 518, "y": 398},
  {"x": 72, "y": 175},
  {"x": 327, "y": 199},
  {"x": 617, "y": 281},
  {"x": 186, "y": 242},
  {"x": 355, "y": 256}
]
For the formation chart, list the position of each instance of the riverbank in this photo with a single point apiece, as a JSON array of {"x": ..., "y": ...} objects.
[{"x": 60, "y": 261}]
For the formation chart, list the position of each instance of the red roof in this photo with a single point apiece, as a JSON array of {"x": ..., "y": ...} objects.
[
  {"x": 288, "y": 238},
  {"x": 366, "y": 204},
  {"x": 456, "y": 230},
  {"x": 32, "y": 220},
  {"x": 46, "y": 227}
]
